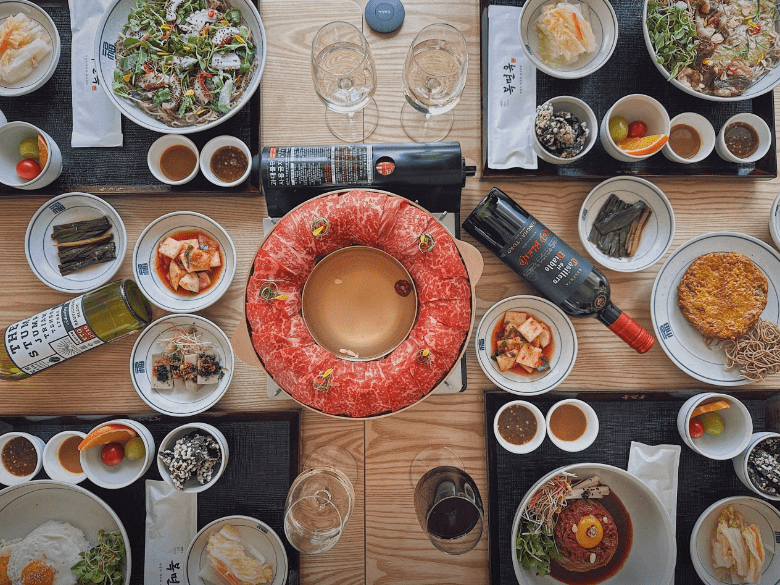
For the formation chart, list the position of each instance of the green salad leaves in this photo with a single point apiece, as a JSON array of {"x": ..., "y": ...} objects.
[
  {"x": 535, "y": 548},
  {"x": 103, "y": 564},
  {"x": 672, "y": 33}
]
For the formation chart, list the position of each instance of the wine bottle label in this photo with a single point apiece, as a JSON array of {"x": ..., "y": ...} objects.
[
  {"x": 50, "y": 337},
  {"x": 546, "y": 262},
  {"x": 320, "y": 165}
]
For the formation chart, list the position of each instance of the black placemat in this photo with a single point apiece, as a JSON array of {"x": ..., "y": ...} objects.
[
  {"x": 631, "y": 70},
  {"x": 623, "y": 418},
  {"x": 121, "y": 169},
  {"x": 262, "y": 464}
]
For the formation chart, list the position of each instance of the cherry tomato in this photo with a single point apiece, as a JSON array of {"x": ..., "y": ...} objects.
[
  {"x": 28, "y": 169},
  {"x": 112, "y": 454},
  {"x": 695, "y": 428},
  {"x": 637, "y": 129}
]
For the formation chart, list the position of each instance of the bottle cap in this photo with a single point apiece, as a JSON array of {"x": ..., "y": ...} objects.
[
  {"x": 384, "y": 16},
  {"x": 632, "y": 333}
]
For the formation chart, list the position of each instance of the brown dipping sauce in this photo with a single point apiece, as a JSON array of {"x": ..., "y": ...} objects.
[
  {"x": 177, "y": 162},
  {"x": 517, "y": 424},
  {"x": 19, "y": 457},
  {"x": 568, "y": 422},
  {"x": 229, "y": 163},
  {"x": 684, "y": 140},
  {"x": 741, "y": 139},
  {"x": 68, "y": 455}
]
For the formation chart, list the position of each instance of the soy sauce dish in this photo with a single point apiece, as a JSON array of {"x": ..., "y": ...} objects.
[
  {"x": 572, "y": 425},
  {"x": 519, "y": 426}
]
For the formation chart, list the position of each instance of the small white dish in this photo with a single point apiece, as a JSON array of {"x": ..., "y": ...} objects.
[
  {"x": 167, "y": 444},
  {"x": 45, "y": 69},
  {"x": 179, "y": 401},
  {"x": 41, "y": 250},
  {"x": 603, "y": 22},
  {"x": 256, "y": 535},
  {"x": 126, "y": 472},
  {"x": 162, "y": 144},
  {"x": 735, "y": 436},
  {"x": 51, "y": 459},
  {"x": 11, "y": 135},
  {"x": 774, "y": 222},
  {"x": 766, "y": 518},
  {"x": 211, "y": 147},
  {"x": 145, "y": 261},
  {"x": 764, "y": 138},
  {"x": 534, "y": 442},
  {"x": 706, "y": 133},
  {"x": 584, "y": 114},
  {"x": 564, "y": 346},
  {"x": 657, "y": 235},
  {"x": 591, "y": 427},
  {"x": 634, "y": 107},
  {"x": 741, "y": 463},
  {"x": 8, "y": 478}
]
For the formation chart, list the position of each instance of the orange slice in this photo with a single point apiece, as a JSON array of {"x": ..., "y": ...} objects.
[
  {"x": 710, "y": 407},
  {"x": 643, "y": 145},
  {"x": 43, "y": 151},
  {"x": 111, "y": 433}
]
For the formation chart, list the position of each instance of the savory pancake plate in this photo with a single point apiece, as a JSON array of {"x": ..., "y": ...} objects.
[{"x": 682, "y": 343}]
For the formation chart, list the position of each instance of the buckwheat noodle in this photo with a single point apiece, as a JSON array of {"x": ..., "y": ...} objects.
[{"x": 757, "y": 353}]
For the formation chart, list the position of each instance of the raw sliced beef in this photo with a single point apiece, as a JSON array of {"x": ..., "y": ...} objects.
[
  {"x": 403, "y": 389},
  {"x": 402, "y": 242},
  {"x": 390, "y": 212},
  {"x": 289, "y": 306},
  {"x": 442, "y": 261},
  {"x": 443, "y": 289},
  {"x": 267, "y": 267},
  {"x": 338, "y": 234},
  {"x": 365, "y": 208},
  {"x": 284, "y": 252},
  {"x": 444, "y": 342},
  {"x": 453, "y": 313}
]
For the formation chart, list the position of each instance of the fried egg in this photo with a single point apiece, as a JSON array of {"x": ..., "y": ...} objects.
[
  {"x": 6, "y": 548},
  {"x": 46, "y": 556}
]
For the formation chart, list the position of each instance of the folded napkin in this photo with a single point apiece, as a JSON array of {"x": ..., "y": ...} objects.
[
  {"x": 171, "y": 524},
  {"x": 511, "y": 93},
  {"x": 96, "y": 121}
]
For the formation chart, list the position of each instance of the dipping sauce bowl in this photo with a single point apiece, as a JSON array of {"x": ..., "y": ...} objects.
[{"x": 519, "y": 426}]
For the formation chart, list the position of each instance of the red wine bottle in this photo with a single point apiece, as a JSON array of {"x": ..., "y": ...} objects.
[{"x": 549, "y": 265}]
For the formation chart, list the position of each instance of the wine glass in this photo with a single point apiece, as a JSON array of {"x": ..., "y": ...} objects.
[
  {"x": 344, "y": 76},
  {"x": 434, "y": 78}
]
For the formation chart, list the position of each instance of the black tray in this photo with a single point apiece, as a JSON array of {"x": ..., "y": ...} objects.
[
  {"x": 121, "y": 169},
  {"x": 646, "y": 418},
  {"x": 263, "y": 463},
  {"x": 629, "y": 70}
]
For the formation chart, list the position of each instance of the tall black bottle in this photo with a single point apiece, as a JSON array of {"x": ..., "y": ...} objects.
[{"x": 549, "y": 265}]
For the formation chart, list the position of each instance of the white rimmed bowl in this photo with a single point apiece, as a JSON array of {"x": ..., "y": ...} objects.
[
  {"x": 168, "y": 443},
  {"x": 761, "y": 128},
  {"x": 179, "y": 401},
  {"x": 740, "y": 463},
  {"x": 603, "y": 21},
  {"x": 584, "y": 113},
  {"x": 45, "y": 69},
  {"x": 734, "y": 438},
  {"x": 145, "y": 261},
  {"x": 591, "y": 426},
  {"x": 706, "y": 133},
  {"x": 215, "y": 144},
  {"x": 8, "y": 478},
  {"x": 774, "y": 221},
  {"x": 156, "y": 151},
  {"x": 11, "y": 134},
  {"x": 564, "y": 346},
  {"x": 126, "y": 472},
  {"x": 634, "y": 107},
  {"x": 51, "y": 459},
  {"x": 656, "y": 236},
  {"x": 536, "y": 440},
  {"x": 41, "y": 250}
]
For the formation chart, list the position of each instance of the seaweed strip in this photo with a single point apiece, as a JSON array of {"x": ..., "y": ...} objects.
[{"x": 80, "y": 230}]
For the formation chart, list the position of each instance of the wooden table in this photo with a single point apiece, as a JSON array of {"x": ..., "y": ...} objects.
[{"x": 383, "y": 542}]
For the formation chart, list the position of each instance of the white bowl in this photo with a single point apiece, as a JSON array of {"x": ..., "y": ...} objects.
[
  {"x": 192, "y": 485},
  {"x": 653, "y": 552},
  {"x": 706, "y": 132},
  {"x": 7, "y": 478},
  {"x": 536, "y": 440},
  {"x": 215, "y": 144},
  {"x": 113, "y": 22},
  {"x": 45, "y": 69},
  {"x": 764, "y": 138},
  {"x": 584, "y": 113},
  {"x": 564, "y": 346},
  {"x": 741, "y": 463},
  {"x": 656, "y": 236},
  {"x": 603, "y": 21},
  {"x": 734, "y": 438},
  {"x": 591, "y": 428},
  {"x": 634, "y": 107},
  {"x": 51, "y": 459},
  {"x": 774, "y": 221},
  {"x": 126, "y": 472},
  {"x": 156, "y": 151},
  {"x": 11, "y": 134},
  {"x": 145, "y": 259}
]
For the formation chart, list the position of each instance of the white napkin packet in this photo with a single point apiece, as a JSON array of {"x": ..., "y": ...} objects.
[
  {"x": 171, "y": 524},
  {"x": 511, "y": 93},
  {"x": 96, "y": 121}
]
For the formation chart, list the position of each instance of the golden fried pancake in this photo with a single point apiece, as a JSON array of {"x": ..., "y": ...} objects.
[{"x": 722, "y": 294}]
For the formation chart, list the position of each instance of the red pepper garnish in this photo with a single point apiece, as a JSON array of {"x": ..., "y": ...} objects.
[
  {"x": 147, "y": 68},
  {"x": 166, "y": 35},
  {"x": 577, "y": 26},
  {"x": 4, "y": 44},
  {"x": 732, "y": 68},
  {"x": 211, "y": 13}
]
